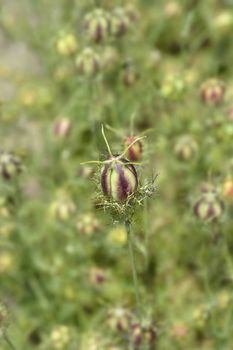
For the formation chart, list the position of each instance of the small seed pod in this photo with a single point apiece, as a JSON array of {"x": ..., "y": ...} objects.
[
  {"x": 119, "y": 319},
  {"x": 143, "y": 335},
  {"x": 135, "y": 151},
  {"x": 88, "y": 224},
  {"x": 88, "y": 62},
  {"x": 132, "y": 12},
  {"x": 130, "y": 75},
  {"x": 97, "y": 25},
  {"x": 186, "y": 148},
  {"x": 61, "y": 128},
  {"x": 119, "y": 179},
  {"x": 209, "y": 207},
  {"x": 62, "y": 209},
  {"x": 10, "y": 165},
  {"x": 119, "y": 22},
  {"x": 212, "y": 92},
  {"x": 97, "y": 276}
]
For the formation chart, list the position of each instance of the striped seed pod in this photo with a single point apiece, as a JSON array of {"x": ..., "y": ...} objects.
[
  {"x": 186, "y": 148},
  {"x": 97, "y": 25},
  {"x": 212, "y": 91},
  {"x": 143, "y": 335},
  {"x": 10, "y": 165},
  {"x": 209, "y": 207},
  {"x": 119, "y": 22},
  {"x": 88, "y": 62},
  {"x": 134, "y": 152},
  {"x": 119, "y": 179}
]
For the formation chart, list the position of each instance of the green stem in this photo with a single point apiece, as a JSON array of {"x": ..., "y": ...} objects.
[{"x": 133, "y": 267}]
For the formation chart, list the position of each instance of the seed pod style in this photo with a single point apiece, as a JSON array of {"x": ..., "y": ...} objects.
[
  {"x": 134, "y": 153},
  {"x": 212, "y": 91},
  {"x": 209, "y": 207},
  {"x": 88, "y": 62},
  {"x": 118, "y": 179},
  {"x": 119, "y": 22},
  {"x": 97, "y": 25},
  {"x": 186, "y": 148},
  {"x": 10, "y": 165}
]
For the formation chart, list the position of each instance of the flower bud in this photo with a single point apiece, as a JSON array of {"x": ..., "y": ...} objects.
[
  {"x": 119, "y": 319},
  {"x": 97, "y": 25},
  {"x": 88, "y": 62},
  {"x": 134, "y": 152},
  {"x": 60, "y": 337},
  {"x": 62, "y": 127},
  {"x": 10, "y": 165},
  {"x": 119, "y": 22},
  {"x": 88, "y": 224},
  {"x": 119, "y": 179},
  {"x": 209, "y": 207},
  {"x": 228, "y": 187},
  {"x": 212, "y": 91},
  {"x": 186, "y": 148},
  {"x": 172, "y": 87},
  {"x": 66, "y": 44},
  {"x": 143, "y": 335}
]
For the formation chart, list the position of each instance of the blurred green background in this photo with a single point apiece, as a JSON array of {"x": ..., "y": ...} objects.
[{"x": 162, "y": 69}]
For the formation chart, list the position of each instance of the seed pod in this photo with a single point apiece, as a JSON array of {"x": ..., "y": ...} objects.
[
  {"x": 118, "y": 179},
  {"x": 143, "y": 335},
  {"x": 119, "y": 22},
  {"x": 186, "y": 148},
  {"x": 134, "y": 152},
  {"x": 97, "y": 25},
  {"x": 119, "y": 319},
  {"x": 88, "y": 62},
  {"x": 10, "y": 165},
  {"x": 129, "y": 75},
  {"x": 88, "y": 224},
  {"x": 62, "y": 127},
  {"x": 209, "y": 207},
  {"x": 212, "y": 91},
  {"x": 62, "y": 209},
  {"x": 97, "y": 276}
]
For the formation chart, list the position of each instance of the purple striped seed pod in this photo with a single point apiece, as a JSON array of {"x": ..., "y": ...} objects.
[
  {"x": 10, "y": 165},
  {"x": 118, "y": 179},
  {"x": 209, "y": 207},
  {"x": 97, "y": 25},
  {"x": 134, "y": 152},
  {"x": 143, "y": 336},
  {"x": 212, "y": 92}
]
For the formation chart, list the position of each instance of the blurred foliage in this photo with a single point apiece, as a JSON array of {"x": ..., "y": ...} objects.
[{"x": 157, "y": 68}]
